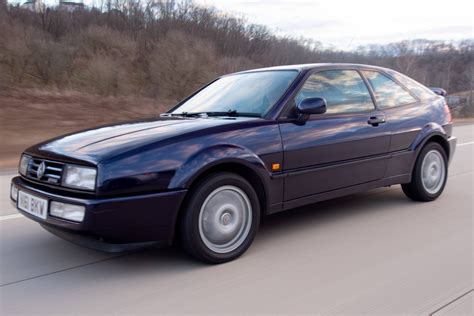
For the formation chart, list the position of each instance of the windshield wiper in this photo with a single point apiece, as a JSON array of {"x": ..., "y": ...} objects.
[{"x": 231, "y": 113}]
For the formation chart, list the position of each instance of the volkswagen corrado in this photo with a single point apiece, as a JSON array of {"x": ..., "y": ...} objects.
[{"x": 244, "y": 146}]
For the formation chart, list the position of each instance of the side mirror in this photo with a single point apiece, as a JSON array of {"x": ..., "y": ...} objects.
[
  {"x": 309, "y": 106},
  {"x": 439, "y": 91}
]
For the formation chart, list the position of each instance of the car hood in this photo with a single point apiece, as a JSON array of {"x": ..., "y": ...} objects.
[{"x": 94, "y": 145}]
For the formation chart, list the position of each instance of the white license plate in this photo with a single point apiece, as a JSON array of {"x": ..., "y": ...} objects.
[{"x": 32, "y": 204}]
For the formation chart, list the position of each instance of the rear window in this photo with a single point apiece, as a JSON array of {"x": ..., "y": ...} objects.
[{"x": 422, "y": 92}]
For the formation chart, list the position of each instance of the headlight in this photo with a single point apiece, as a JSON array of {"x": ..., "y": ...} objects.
[
  {"x": 79, "y": 177},
  {"x": 67, "y": 211},
  {"x": 24, "y": 162}
]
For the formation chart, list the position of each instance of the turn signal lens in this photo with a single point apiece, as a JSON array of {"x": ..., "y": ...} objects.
[{"x": 14, "y": 192}]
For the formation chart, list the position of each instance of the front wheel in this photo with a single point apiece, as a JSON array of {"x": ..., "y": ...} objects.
[
  {"x": 429, "y": 175},
  {"x": 220, "y": 219}
]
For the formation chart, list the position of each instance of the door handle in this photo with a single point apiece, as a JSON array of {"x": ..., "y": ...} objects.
[{"x": 375, "y": 121}]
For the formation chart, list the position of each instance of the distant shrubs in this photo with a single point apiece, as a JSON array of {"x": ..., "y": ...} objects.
[
  {"x": 102, "y": 40},
  {"x": 101, "y": 74},
  {"x": 166, "y": 49},
  {"x": 104, "y": 61},
  {"x": 180, "y": 64}
]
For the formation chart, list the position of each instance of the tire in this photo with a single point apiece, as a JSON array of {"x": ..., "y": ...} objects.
[
  {"x": 432, "y": 161},
  {"x": 220, "y": 218}
]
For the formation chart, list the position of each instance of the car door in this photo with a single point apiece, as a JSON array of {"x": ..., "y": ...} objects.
[
  {"x": 404, "y": 114},
  {"x": 343, "y": 147}
]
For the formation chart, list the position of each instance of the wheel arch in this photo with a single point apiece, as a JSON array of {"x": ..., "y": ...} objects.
[
  {"x": 241, "y": 169},
  {"x": 430, "y": 133},
  {"x": 251, "y": 169},
  {"x": 435, "y": 136},
  {"x": 440, "y": 140}
]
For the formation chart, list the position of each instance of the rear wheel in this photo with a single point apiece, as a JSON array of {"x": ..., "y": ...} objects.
[
  {"x": 429, "y": 175},
  {"x": 220, "y": 219}
]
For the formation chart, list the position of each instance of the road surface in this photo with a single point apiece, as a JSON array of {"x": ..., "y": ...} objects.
[{"x": 373, "y": 253}]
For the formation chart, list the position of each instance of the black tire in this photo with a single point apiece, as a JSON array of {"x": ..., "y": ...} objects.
[
  {"x": 415, "y": 190},
  {"x": 190, "y": 233}
]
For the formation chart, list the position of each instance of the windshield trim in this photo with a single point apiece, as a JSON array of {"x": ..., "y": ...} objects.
[
  {"x": 204, "y": 114},
  {"x": 263, "y": 114}
]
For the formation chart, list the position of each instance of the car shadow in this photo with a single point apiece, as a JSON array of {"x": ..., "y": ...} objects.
[
  {"x": 335, "y": 209},
  {"x": 279, "y": 225},
  {"x": 164, "y": 262},
  {"x": 285, "y": 228}
]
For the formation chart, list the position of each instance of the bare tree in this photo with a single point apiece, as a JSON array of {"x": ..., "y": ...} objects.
[{"x": 166, "y": 48}]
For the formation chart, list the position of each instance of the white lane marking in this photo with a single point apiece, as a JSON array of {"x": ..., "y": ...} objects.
[
  {"x": 464, "y": 144},
  {"x": 13, "y": 216}
]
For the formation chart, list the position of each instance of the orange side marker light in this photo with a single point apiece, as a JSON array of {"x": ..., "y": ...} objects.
[{"x": 276, "y": 167}]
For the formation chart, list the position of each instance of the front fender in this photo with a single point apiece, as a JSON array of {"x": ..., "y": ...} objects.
[{"x": 209, "y": 157}]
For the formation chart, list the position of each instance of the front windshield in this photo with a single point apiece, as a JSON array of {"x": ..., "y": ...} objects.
[{"x": 251, "y": 93}]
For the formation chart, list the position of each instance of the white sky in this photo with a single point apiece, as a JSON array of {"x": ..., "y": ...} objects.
[{"x": 346, "y": 24}]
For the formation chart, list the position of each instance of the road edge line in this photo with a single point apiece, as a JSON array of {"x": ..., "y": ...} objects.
[{"x": 12, "y": 216}]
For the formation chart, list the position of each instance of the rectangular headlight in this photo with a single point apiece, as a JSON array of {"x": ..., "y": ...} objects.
[
  {"x": 79, "y": 177},
  {"x": 23, "y": 166},
  {"x": 67, "y": 211}
]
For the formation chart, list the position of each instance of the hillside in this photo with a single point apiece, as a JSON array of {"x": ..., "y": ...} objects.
[
  {"x": 62, "y": 71},
  {"x": 166, "y": 49}
]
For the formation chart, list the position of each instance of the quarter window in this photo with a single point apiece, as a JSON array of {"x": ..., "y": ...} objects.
[
  {"x": 387, "y": 92},
  {"x": 343, "y": 90},
  {"x": 418, "y": 89}
]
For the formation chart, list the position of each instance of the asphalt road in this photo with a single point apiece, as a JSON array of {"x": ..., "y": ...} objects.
[{"x": 373, "y": 253}]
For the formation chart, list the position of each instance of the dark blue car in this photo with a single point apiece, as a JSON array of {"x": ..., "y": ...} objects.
[{"x": 246, "y": 145}]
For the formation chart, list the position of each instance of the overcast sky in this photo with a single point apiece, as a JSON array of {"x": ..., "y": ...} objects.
[{"x": 346, "y": 24}]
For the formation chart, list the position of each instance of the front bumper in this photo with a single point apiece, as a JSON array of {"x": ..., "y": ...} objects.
[
  {"x": 113, "y": 224},
  {"x": 452, "y": 147}
]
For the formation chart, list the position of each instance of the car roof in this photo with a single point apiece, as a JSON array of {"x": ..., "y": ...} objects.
[{"x": 301, "y": 67}]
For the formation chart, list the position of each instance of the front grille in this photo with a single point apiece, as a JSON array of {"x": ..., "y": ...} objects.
[{"x": 52, "y": 171}]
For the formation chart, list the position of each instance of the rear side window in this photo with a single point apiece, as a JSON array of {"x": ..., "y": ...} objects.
[
  {"x": 388, "y": 93},
  {"x": 422, "y": 92},
  {"x": 343, "y": 90}
]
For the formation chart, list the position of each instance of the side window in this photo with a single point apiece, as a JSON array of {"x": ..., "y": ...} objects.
[
  {"x": 417, "y": 88},
  {"x": 343, "y": 90},
  {"x": 387, "y": 92}
]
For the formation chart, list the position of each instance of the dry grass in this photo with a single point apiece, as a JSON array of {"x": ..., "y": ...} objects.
[{"x": 30, "y": 116}]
